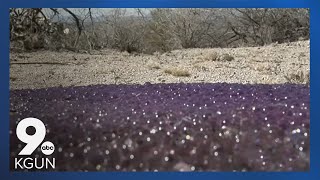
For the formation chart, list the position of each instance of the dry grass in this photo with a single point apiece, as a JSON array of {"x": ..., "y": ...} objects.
[
  {"x": 13, "y": 78},
  {"x": 261, "y": 67},
  {"x": 298, "y": 78},
  {"x": 211, "y": 56},
  {"x": 200, "y": 67},
  {"x": 177, "y": 72},
  {"x": 226, "y": 57},
  {"x": 153, "y": 65},
  {"x": 214, "y": 56}
]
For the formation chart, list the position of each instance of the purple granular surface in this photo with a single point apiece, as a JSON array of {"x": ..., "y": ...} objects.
[{"x": 170, "y": 127}]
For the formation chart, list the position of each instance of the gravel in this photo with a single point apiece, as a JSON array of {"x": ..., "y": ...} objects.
[{"x": 251, "y": 65}]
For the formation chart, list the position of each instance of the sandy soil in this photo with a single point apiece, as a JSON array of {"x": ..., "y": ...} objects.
[{"x": 264, "y": 65}]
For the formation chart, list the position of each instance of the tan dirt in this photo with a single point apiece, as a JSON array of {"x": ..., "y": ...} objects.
[{"x": 267, "y": 65}]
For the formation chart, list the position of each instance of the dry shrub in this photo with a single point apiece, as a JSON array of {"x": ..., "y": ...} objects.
[
  {"x": 298, "y": 78},
  {"x": 33, "y": 41},
  {"x": 158, "y": 29},
  {"x": 177, "y": 72},
  {"x": 211, "y": 56},
  {"x": 200, "y": 67},
  {"x": 261, "y": 67},
  {"x": 214, "y": 56},
  {"x": 153, "y": 65},
  {"x": 226, "y": 57}
]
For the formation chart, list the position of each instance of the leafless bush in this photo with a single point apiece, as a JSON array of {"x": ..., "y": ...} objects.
[
  {"x": 261, "y": 26},
  {"x": 155, "y": 30},
  {"x": 127, "y": 31},
  {"x": 34, "y": 29},
  {"x": 160, "y": 36},
  {"x": 185, "y": 28}
]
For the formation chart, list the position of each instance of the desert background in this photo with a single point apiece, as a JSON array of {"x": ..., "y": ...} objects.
[{"x": 70, "y": 47}]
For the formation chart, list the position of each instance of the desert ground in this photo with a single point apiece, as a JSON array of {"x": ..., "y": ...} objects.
[
  {"x": 114, "y": 111},
  {"x": 269, "y": 64}
]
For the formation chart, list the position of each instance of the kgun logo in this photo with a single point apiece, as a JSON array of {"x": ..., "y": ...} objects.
[{"x": 32, "y": 142}]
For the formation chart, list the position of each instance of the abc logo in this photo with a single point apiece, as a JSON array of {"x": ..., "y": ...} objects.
[
  {"x": 33, "y": 141},
  {"x": 47, "y": 148}
]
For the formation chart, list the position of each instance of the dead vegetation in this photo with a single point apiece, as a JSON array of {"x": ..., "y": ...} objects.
[
  {"x": 210, "y": 56},
  {"x": 152, "y": 30},
  {"x": 158, "y": 45},
  {"x": 261, "y": 66},
  {"x": 226, "y": 57},
  {"x": 201, "y": 67},
  {"x": 298, "y": 78},
  {"x": 214, "y": 56},
  {"x": 153, "y": 65},
  {"x": 177, "y": 72}
]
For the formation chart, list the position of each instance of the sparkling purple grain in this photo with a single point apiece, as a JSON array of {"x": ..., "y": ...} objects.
[{"x": 170, "y": 127}]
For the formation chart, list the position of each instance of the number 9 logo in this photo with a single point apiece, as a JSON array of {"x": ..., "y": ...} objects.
[{"x": 32, "y": 141}]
